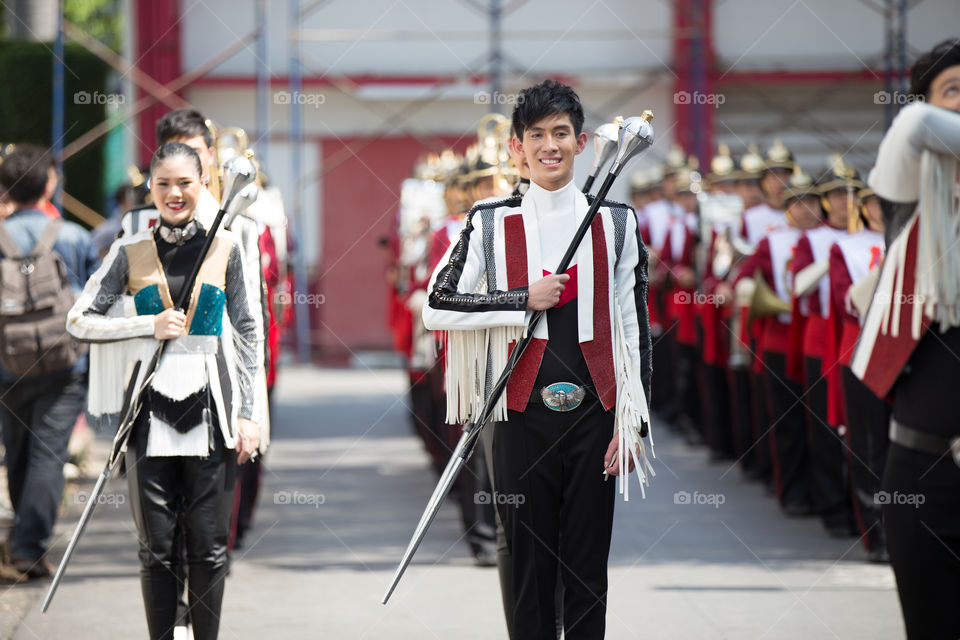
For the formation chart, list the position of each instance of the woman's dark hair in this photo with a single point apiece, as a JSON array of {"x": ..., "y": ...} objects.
[
  {"x": 546, "y": 99},
  {"x": 183, "y": 123},
  {"x": 23, "y": 173},
  {"x": 931, "y": 64},
  {"x": 175, "y": 150}
]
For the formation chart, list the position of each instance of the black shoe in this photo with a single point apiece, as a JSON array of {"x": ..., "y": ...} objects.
[
  {"x": 878, "y": 556},
  {"x": 483, "y": 555}
]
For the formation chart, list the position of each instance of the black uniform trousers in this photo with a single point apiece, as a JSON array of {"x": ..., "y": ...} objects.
[
  {"x": 202, "y": 489},
  {"x": 791, "y": 460},
  {"x": 921, "y": 515},
  {"x": 868, "y": 419},
  {"x": 557, "y": 511},
  {"x": 829, "y": 477},
  {"x": 762, "y": 447}
]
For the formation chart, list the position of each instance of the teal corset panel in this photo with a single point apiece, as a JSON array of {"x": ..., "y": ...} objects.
[
  {"x": 148, "y": 301},
  {"x": 208, "y": 318}
]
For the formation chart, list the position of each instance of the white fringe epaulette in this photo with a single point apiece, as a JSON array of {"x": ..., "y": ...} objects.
[
  {"x": 938, "y": 261},
  {"x": 632, "y": 412},
  {"x": 469, "y": 355}
]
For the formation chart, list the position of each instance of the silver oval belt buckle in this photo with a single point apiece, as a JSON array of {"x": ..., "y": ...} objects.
[{"x": 563, "y": 396}]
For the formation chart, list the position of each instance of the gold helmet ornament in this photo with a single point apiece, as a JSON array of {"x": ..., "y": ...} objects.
[
  {"x": 800, "y": 185},
  {"x": 675, "y": 161},
  {"x": 751, "y": 165},
  {"x": 721, "y": 166},
  {"x": 688, "y": 177},
  {"x": 779, "y": 157}
]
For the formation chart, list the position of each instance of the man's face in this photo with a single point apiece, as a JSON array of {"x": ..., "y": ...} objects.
[
  {"x": 774, "y": 182},
  {"x": 837, "y": 201},
  {"x": 483, "y": 188},
  {"x": 669, "y": 186},
  {"x": 750, "y": 192},
  {"x": 945, "y": 89},
  {"x": 805, "y": 212},
  {"x": 549, "y": 146},
  {"x": 198, "y": 144}
]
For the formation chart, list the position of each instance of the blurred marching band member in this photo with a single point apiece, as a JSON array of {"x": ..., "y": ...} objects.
[
  {"x": 655, "y": 220},
  {"x": 849, "y": 402},
  {"x": 808, "y": 362},
  {"x": 771, "y": 266}
]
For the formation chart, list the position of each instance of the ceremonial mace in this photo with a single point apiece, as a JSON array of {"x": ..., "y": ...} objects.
[
  {"x": 635, "y": 135},
  {"x": 238, "y": 193},
  {"x": 606, "y": 139}
]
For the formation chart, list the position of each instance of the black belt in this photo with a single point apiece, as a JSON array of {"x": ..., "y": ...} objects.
[{"x": 924, "y": 442}]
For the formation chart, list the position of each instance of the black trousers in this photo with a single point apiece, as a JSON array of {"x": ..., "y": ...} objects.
[
  {"x": 867, "y": 436},
  {"x": 663, "y": 397},
  {"x": 741, "y": 417},
  {"x": 829, "y": 477},
  {"x": 791, "y": 460},
  {"x": 202, "y": 489},
  {"x": 921, "y": 514},
  {"x": 556, "y": 511},
  {"x": 760, "y": 419},
  {"x": 717, "y": 417},
  {"x": 38, "y": 414}
]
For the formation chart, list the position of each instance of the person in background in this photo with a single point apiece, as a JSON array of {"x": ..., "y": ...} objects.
[{"x": 40, "y": 406}]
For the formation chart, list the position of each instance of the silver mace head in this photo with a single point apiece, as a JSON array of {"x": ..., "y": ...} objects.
[
  {"x": 238, "y": 172},
  {"x": 605, "y": 140},
  {"x": 636, "y": 134}
]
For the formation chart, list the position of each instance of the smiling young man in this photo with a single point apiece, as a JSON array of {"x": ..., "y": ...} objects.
[{"x": 555, "y": 434}]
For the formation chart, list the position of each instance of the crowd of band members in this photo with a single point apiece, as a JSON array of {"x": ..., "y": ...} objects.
[
  {"x": 761, "y": 379},
  {"x": 754, "y": 326}
]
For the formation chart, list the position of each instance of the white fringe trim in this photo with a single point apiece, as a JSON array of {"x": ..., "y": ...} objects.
[
  {"x": 180, "y": 374},
  {"x": 111, "y": 364},
  {"x": 470, "y": 354},
  {"x": 164, "y": 441},
  {"x": 632, "y": 412},
  {"x": 938, "y": 239}
]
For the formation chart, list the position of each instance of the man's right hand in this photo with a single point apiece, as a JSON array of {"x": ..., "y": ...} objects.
[
  {"x": 545, "y": 294},
  {"x": 169, "y": 323}
]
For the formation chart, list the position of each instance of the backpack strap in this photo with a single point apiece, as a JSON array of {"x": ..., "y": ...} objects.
[
  {"x": 9, "y": 248},
  {"x": 48, "y": 238}
]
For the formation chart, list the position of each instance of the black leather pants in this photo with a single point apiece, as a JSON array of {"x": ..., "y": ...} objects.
[{"x": 202, "y": 488}]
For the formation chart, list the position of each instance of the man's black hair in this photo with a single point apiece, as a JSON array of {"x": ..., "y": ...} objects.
[
  {"x": 543, "y": 100},
  {"x": 183, "y": 123},
  {"x": 931, "y": 64},
  {"x": 23, "y": 173}
]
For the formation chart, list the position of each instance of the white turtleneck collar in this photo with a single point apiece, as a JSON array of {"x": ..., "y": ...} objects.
[{"x": 553, "y": 201}]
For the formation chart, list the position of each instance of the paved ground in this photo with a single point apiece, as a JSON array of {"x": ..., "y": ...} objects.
[{"x": 345, "y": 486}]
